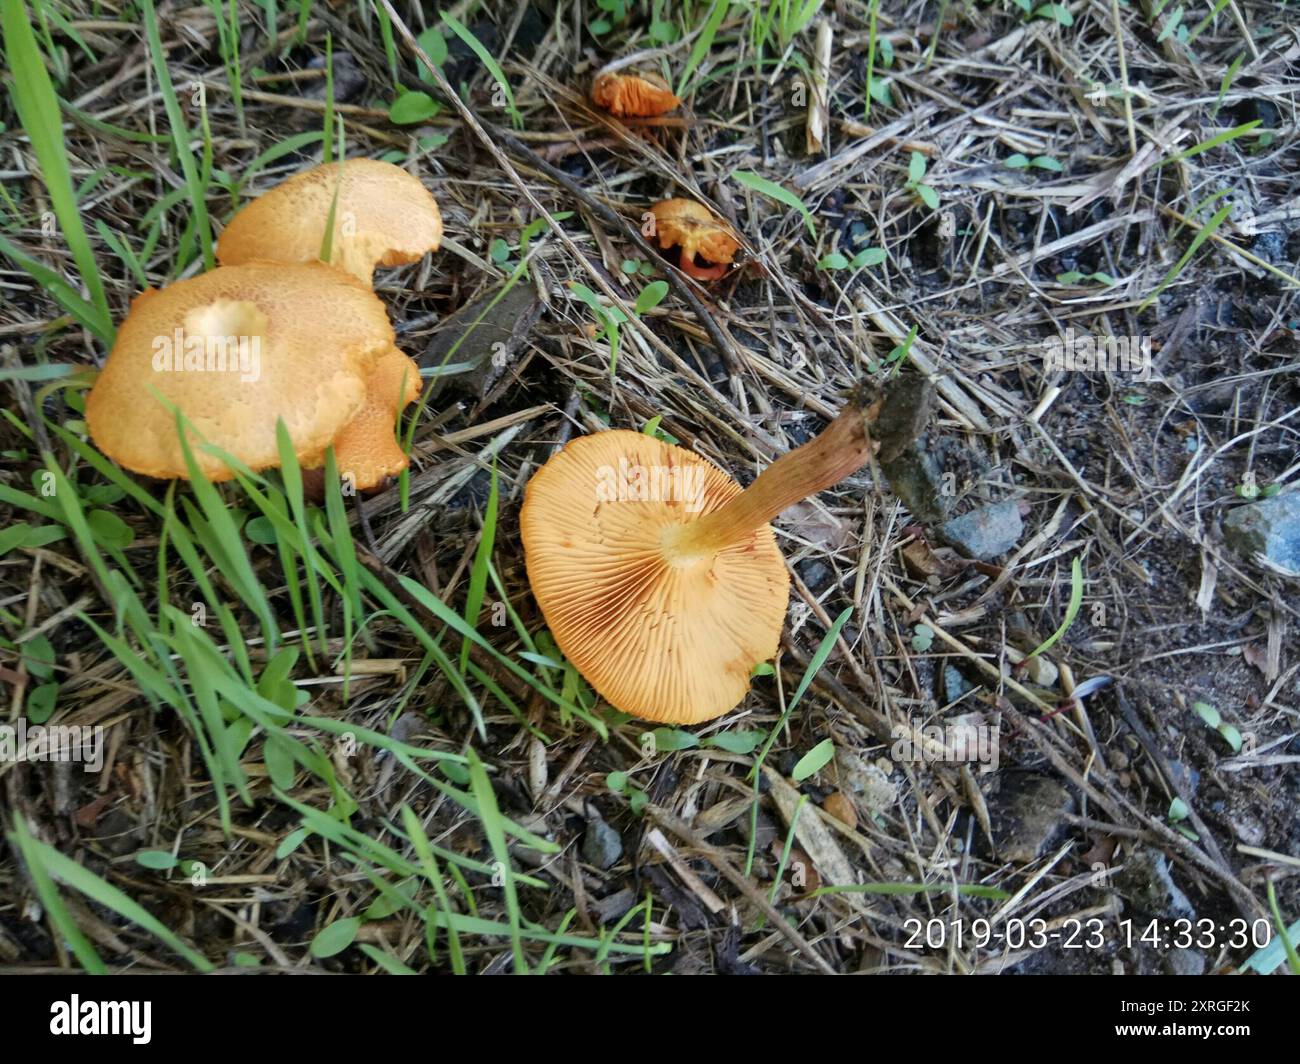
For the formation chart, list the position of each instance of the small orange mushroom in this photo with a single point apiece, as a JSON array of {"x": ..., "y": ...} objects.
[
  {"x": 708, "y": 245},
  {"x": 382, "y": 217},
  {"x": 633, "y": 95},
  {"x": 659, "y": 578},
  {"x": 366, "y": 448}
]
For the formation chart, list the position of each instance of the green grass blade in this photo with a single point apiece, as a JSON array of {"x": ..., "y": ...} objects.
[
  {"x": 486, "y": 57},
  {"x": 1292, "y": 958},
  {"x": 100, "y": 891},
  {"x": 180, "y": 134},
  {"x": 37, "y": 105},
  {"x": 1213, "y": 142},
  {"x": 1200, "y": 238},
  {"x": 224, "y": 544},
  {"x": 99, "y": 325},
  {"x": 479, "y": 574},
  {"x": 1071, "y": 609},
  {"x": 490, "y": 817},
  {"x": 429, "y": 864},
  {"x": 33, "y": 853},
  {"x": 772, "y": 190},
  {"x": 291, "y": 476},
  {"x": 703, "y": 43},
  {"x": 814, "y": 667}
]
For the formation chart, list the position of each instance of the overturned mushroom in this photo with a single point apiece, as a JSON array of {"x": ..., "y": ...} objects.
[
  {"x": 235, "y": 349},
  {"x": 659, "y": 578},
  {"x": 366, "y": 448},
  {"x": 382, "y": 217},
  {"x": 707, "y": 243},
  {"x": 633, "y": 95}
]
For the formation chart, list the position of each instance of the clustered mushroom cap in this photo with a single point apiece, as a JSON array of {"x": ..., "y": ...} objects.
[
  {"x": 696, "y": 230},
  {"x": 383, "y": 217},
  {"x": 317, "y": 335},
  {"x": 366, "y": 449},
  {"x": 633, "y": 95},
  {"x": 661, "y": 634}
]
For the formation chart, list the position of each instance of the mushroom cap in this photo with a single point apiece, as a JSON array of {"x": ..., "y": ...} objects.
[
  {"x": 633, "y": 95},
  {"x": 384, "y": 217},
  {"x": 659, "y": 635},
  {"x": 366, "y": 447},
  {"x": 697, "y": 231},
  {"x": 234, "y": 349}
]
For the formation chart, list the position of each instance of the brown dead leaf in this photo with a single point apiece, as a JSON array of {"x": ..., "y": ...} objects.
[
  {"x": 816, "y": 526},
  {"x": 1256, "y": 655}
]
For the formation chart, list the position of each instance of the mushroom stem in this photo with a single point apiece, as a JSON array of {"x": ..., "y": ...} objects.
[{"x": 841, "y": 449}]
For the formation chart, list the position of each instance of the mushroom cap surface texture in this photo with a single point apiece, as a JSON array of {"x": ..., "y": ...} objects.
[
  {"x": 366, "y": 447},
  {"x": 234, "y": 349},
  {"x": 633, "y": 95},
  {"x": 697, "y": 231},
  {"x": 659, "y": 633},
  {"x": 383, "y": 217}
]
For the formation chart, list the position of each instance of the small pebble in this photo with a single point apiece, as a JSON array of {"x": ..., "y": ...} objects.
[{"x": 601, "y": 844}]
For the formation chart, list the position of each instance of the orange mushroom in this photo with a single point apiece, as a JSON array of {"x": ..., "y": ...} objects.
[
  {"x": 382, "y": 217},
  {"x": 659, "y": 578},
  {"x": 633, "y": 95},
  {"x": 234, "y": 350},
  {"x": 366, "y": 448},
  {"x": 708, "y": 245}
]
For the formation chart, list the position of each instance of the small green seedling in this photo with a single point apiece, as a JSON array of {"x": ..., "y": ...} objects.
[
  {"x": 619, "y": 783},
  {"x": 1073, "y": 277},
  {"x": 615, "y": 12},
  {"x": 1214, "y": 719},
  {"x": 814, "y": 760},
  {"x": 1179, "y": 812},
  {"x": 1038, "y": 162},
  {"x": 916, "y": 167},
  {"x": 651, "y": 428},
  {"x": 610, "y": 318},
  {"x": 896, "y": 355},
  {"x": 412, "y": 108},
  {"x": 1055, "y": 12},
  {"x": 866, "y": 257},
  {"x": 922, "y": 638},
  {"x": 1250, "y": 488}
]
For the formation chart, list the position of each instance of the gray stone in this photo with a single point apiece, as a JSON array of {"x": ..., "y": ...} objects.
[
  {"x": 489, "y": 333},
  {"x": 985, "y": 533},
  {"x": 1247, "y": 828},
  {"x": 1184, "y": 776},
  {"x": 1147, "y": 886},
  {"x": 955, "y": 685},
  {"x": 865, "y": 780},
  {"x": 915, "y": 477},
  {"x": 1186, "y": 962},
  {"x": 816, "y": 574},
  {"x": 601, "y": 844},
  {"x": 1027, "y": 815},
  {"x": 1270, "y": 527}
]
